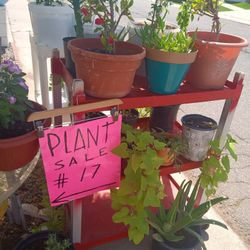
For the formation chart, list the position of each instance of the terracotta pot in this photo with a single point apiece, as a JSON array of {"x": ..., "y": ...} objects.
[
  {"x": 167, "y": 156},
  {"x": 18, "y": 151},
  {"x": 215, "y": 60},
  {"x": 105, "y": 75}
]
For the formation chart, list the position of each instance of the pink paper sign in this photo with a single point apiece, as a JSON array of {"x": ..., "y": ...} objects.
[{"x": 78, "y": 160}]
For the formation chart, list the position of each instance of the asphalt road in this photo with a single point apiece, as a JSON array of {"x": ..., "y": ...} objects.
[{"x": 236, "y": 211}]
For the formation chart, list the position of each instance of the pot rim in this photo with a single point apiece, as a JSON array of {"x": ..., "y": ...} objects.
[
  {"x": 185, "y": 117},
  {"x": 29, "y": 136},
  {"x": 171, "y": 57},
  {"x": 130, "y": 57},
  {"x": 242, "y": 41}
]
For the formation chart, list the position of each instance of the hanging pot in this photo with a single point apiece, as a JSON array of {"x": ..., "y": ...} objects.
[
  {"x": 106, "y": 75},
  {"x": 18, "y": 151},
  {"x": 215, "y": 59},
  {"x": 198, "y": 131}
]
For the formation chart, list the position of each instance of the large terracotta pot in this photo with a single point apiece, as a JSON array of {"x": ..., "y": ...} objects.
[
  {"x": 18, "y": 151},
  {"x": 106, "y": 75},
  {"x": 215, "y": 60}
]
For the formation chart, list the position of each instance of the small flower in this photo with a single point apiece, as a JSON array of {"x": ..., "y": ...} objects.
[
  {"x": 99, "y": 21},
  {"x": 14, "y": 68},
  {"x": 110, "y": 40},
  {"x": 12, "y": 100},
  {"x": 85, "y": 11}
]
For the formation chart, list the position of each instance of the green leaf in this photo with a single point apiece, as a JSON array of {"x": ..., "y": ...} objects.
[
  {"x": 121, "y": 150},
  {"x": 231, "y": 150},
  {"x": 119, "y": 216},
  {"x": 226, "y": 163},
  {"x": 151, "y": 198}
]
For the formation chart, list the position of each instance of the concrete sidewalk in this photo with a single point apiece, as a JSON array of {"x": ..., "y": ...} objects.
[{"x": 19, "y": 24}]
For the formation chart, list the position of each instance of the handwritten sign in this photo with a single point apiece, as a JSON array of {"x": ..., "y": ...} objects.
[{"x": 78, "y": 160}]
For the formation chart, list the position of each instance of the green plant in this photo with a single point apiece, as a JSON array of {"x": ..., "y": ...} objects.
[
  {"x": 108, "y": 14},
  {"x": 53, "y": 244},
  {"x": 55, "y": 215},
  {"x": 209, "y": 8},
  {"x": 141, "y": 187},
  {"x": 183, "y": 215},
  {"x": 216, "y": 167},
  {"x": 13, "y": 95},
  {"x": 153, "y": 33},
  {"x": 49, "y": 2},
  {"x": 172, "y": 141}
]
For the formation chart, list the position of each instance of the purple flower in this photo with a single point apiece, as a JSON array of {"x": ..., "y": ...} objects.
[
  {"x": 12, "y": 100},
  {"x": 14, "y": 68},
  {"x": 22, "y": 83}
]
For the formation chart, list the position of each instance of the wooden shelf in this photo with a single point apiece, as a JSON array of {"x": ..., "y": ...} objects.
[{"x": 140, "y": 96}]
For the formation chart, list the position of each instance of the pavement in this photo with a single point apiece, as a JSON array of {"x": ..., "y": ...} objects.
[{"x": 19, "y": 28}]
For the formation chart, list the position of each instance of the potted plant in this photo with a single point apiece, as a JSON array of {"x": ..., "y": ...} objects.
[
  {"x": 47, "y": 240},
  {"x": 106, "y": 65},
  {"x": 217, "y": 52},
  {"x": 173, "y": 147},
  {"x": 51, "y": 21},
  {"x": 198, "y": 131},
  {"x": 168, "y": 55},
  {"x": 179, "y": 226},
  {"x": 17, "y": 137},
  {"x": 141, "y": 187}
]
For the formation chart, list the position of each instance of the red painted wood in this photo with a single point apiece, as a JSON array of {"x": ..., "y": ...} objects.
[{"x": 141, "y": 97}]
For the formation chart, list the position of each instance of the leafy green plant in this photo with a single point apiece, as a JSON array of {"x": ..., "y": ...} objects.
[
  {"x": 172, "y": 141},
  {"x": 183, "y": 215},
  {"x": 153, "y": 33},
  {"x": 216, "y": 167},
  {"x": 54, "y": 244},
  {"x": 209, "y": 8},
  {"x": 141, "y": 187},
  {"x": 55, "y": 215}
]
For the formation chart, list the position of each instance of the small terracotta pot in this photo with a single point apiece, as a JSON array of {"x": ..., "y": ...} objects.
[
  {"x": 18, "y": 151},
  {"x": 215, "y": 60},
  {"x": 106, "y": 75},
  {"x": 167, "y": 156}
]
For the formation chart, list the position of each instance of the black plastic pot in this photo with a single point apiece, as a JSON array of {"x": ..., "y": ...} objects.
[
  {"x": 70, "y": 65},
  {"x": 130, "y": 116},
  {"x": 189, "y": 243},
  {"x": 163, "y": 118},
  {"x": 36, "y": 241}
]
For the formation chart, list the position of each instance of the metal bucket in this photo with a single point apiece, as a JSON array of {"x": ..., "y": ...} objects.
[{"x": 198, "y": 131}]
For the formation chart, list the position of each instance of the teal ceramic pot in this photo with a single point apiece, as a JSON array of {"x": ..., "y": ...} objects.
[{"x": 166, "y": 70}]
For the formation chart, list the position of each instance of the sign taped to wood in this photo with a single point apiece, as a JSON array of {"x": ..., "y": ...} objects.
[{"x": 78, "y": 160}]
